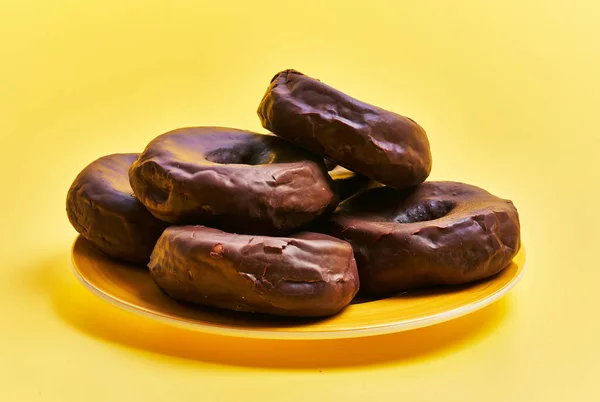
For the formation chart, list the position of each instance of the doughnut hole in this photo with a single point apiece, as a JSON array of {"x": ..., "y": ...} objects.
[
  {"x": 427, "y": 210},
  {"x": 158, "y": 195},
  {"x": 247, "y": 154},
  {"x": 384, "y": 204}
]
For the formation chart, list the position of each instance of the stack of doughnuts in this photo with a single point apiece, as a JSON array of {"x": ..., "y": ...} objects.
[{"x": 294, "y": 222}]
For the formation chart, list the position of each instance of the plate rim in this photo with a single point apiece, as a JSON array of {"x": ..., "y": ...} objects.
[{"x": 380, "y": 329}]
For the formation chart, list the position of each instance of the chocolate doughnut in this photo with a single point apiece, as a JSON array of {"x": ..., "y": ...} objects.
[
  {"x": 439, "y": 233},
  {"x": 348, "y": 183},
  {"x": 307, "y": 274},
  {"x": 102, "y": 208},
  {"x": 231, "y": 179},
  {"x": 385, "y": 146}
]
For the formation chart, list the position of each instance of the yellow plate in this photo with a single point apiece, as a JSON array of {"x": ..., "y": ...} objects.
[{"x": 132, "y": 288}]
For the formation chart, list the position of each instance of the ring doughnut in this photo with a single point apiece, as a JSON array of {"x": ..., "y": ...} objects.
[
  {"x": 102, "y": 208},
  {"x": 438, "y": 233},
  {"x": 385, "y": 146},
  {"x": 231, "y": 179},
  {"x": 306, "y": 274}
]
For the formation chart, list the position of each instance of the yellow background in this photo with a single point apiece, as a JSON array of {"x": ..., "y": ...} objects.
[{"x": 507, "y": 90}]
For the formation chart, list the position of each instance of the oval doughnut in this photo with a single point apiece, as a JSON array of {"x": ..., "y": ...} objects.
[
  {"x": 439, "y": 233},
  {"x": 102, "y": 208},
  {"x": 231, "y": 179},
  {"x": 385, "y": 146},
  {"x": 307, "y": 274}
]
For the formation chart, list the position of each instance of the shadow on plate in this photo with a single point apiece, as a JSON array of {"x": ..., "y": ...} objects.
[{"x": 94, "y": 317}]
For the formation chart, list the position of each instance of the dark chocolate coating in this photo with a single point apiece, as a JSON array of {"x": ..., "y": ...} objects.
[
  {"x": 307, "y": 274},
  {"x": 385, "y": 146},
  {"x": 348, "y": 183},
  {"x": 102, "y": 208},
  {"x": 439, "y": 233},
  {"x": 231, "y": 179}
]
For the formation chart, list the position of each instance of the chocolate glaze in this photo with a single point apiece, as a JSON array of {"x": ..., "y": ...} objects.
[
  {"x": 438, "y": 233},
  {"x": 385, "y": 146},
  {"x": 235, "y": 180},
  {"x": 102, "y": 208},
  {"x": 307, "y": 274}
]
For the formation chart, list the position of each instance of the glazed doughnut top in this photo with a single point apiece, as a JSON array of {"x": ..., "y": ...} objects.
[
  {"x": 431, "y": 201},
  {"x": 231, "y": 179}
]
